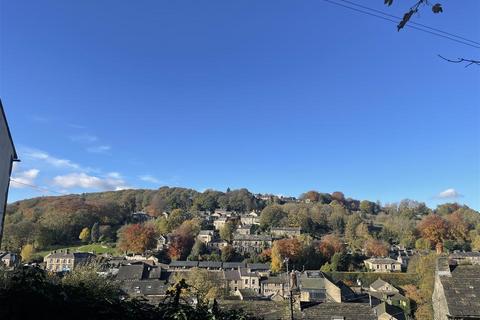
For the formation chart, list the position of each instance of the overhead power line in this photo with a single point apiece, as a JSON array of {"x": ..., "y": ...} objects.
[
  {"x": 410, "y": 22},
  {"x": 37, "y": 187},
  {"x": 416, "y": 27}
]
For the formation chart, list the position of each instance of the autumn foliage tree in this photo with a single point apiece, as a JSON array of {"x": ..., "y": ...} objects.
[
  {"x": 434, "y": 229},
  {"x": 27, "y": 252},
  {"x": 458, "y": 226},
  {"x": 329, "y": 245},
  {"x": 137, "y": 238},
  {"x": 285, "y": 248},
  {"x": 376, "y": 248},
  {"x": 183, "y": 239},
  {"x": 84, "y": 235}
]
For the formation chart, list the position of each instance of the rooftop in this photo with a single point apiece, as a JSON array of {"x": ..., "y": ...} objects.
[
  {"x": 344, "y": 311},
  {"x": 462, "y": 291},
  {"x": 383, "y": 261}
]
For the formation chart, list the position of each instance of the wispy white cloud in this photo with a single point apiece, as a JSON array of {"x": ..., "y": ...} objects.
[
  {"x": 149, "y": 178},
  {"x": 38, "y": 118},
  {"x": 449, "y": 194},
  {"x": 49, "y": 159},
  {"x": 22, "y": 179},
  {"x": 99, "y": 149},
  {"x": 112, "y": 181},
  {"x": 84, "y": 138}
]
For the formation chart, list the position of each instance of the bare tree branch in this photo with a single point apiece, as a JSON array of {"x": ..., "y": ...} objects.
[{"x": 461, "y": 60}]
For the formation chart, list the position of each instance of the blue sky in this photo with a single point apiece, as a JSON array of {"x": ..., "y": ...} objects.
[{"x": 276, "y": 96}]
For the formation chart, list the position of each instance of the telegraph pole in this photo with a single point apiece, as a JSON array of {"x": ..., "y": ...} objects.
[{"x": 289, "y": 290}]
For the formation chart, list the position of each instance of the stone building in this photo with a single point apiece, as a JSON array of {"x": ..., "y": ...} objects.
[
  {"x": 383, "y": 265},
  {"x": 281, "y": 232},
  {"x": 7, "y": 156},
  {"x": 456, "y": 293},
  {"x": 251, "y": 242},
  {"x": 64, "y": 260}
]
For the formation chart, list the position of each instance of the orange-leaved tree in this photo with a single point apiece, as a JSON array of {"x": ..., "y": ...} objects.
[
  {"x": 434, "y": 229},
  {"x": 137, "y": 238},
  {"x": 329, "y": 245}
]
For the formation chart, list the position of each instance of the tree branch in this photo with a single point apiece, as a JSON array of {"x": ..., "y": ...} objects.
[{"x": 461, "y": 60}]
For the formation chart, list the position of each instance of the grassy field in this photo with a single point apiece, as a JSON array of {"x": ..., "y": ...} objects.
[{"x": 98, "y": 248}]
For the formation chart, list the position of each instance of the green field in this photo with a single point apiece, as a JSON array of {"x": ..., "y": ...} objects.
[{"x": 98, "y": 248}]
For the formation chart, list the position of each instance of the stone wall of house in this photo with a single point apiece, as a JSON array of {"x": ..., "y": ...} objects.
[
  {"x": 439, "y": 301},
  {"x": 6, "y": 156},
  {"x": 333, "y": 291}
]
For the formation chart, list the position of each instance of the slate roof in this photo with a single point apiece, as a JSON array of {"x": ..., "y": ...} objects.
[
  {"x": 252, "y": 237},
  {"x": 258, "y": 266},
  {"x": 278, "y": 279},
  {"x": 393, "y": 311},
  {"x": 210, "y": 264},
  {"x": 246, "y": 273},
  {"x": 462, "y": 255},
  {"x": 233, "y": 265},
  {"x": 311, "y": 280},
  {"x": 132, "y": 272},
  {"x": 250, "y": 294},
  {"x": 230, "y": 275},
  {"x": 383, "y": 261},
  {"x": 349, "y": 311},
  {"x": 181, "y": 264},
  {"x": 462, "y": 291},
  {"x": 155, "y": 273},
  {"x": 144, "y": 287},
  {"x": 7, "y": 255},
  {"x": 379, "y": 283}
]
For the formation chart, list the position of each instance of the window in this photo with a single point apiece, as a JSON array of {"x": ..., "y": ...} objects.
[
  {"x": 235, "y": 281},
  {"x": 246, "y": 281},
  {"x": 253, "y": 281},
  {"x": 236, "y": 288}
]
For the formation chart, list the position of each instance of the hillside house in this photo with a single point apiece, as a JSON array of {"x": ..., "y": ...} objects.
[
  {"x": 7, "y": 156},
  {"x": 282, "y": 232},
  {"x": 244, "y": 229},
  {"x": 9, "y": 259},
  {"x": 161, "y": 242},
  {"x": 275, "y": 286},
  {"x": 250, "y": 218},
  {"x": 383, "y": 265},
  {"x": 314, "y": 286},
  {"x": 182, "y": 265},
  {"x": 64, "y": 260},
  {"x": 241, "y": 278},
  {"x": 206, "y": 236},
  {"x": 220, "y": 222},
  {"x": 251, "y": 242},
  {"x": 465, "y": 257}
]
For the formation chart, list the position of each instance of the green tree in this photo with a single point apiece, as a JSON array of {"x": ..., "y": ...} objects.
[
  {"x": 226, "y": 232},
  {"x": 228, "y": 253},
  {"x": 198, "y": 249},
  {"x": 272, "y": 216},
  {"x": 84, "y": 235},
  {"x": 367, "y": 207}
]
